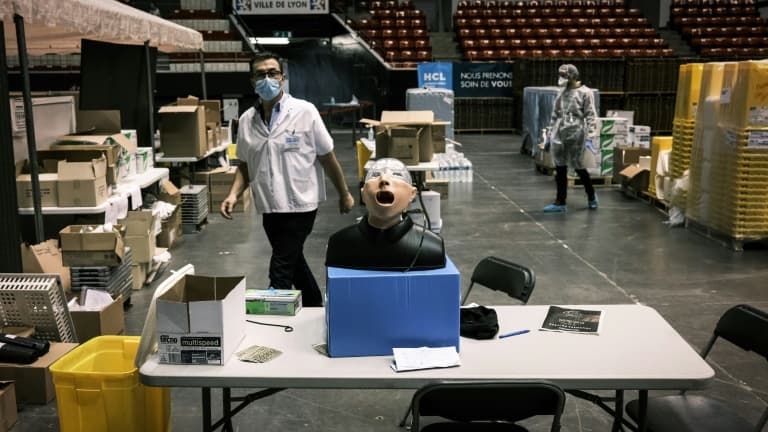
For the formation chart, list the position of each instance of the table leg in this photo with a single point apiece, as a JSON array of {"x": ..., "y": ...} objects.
[
  {"x": 226, "y": 399},
  {"x": 618, "y": 411},
  {"x": 642, "y": 423},
  {"x": 355, "y": 118},
  {"x": 206, "y": 409}
]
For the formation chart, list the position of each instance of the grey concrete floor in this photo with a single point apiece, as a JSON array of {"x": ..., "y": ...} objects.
[{"x": 621, "y": 253}]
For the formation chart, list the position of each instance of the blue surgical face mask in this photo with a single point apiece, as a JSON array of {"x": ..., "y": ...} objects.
[{"x": 267, "y": 88}]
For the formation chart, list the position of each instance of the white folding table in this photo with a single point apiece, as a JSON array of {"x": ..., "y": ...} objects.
[{"x": 636, "y": 350}]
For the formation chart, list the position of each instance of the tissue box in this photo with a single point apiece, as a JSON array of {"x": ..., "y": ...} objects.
[
  {"x": 272, "y": 302},
  {"x": 370, "y": 312}
]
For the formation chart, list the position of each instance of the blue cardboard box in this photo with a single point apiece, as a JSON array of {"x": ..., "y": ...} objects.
[{"x": 370, "y": 312}]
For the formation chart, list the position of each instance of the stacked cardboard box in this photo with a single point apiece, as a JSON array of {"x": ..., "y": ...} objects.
[
  {"x": 613, "y": 133},
  {"x": 219, "y": 182}
]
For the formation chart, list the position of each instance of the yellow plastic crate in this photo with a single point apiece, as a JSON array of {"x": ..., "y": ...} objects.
[
  {"x": 98, "y": 389},
  {"x": 747, "y": 105},
  {"x": 658, "y": 143},
  {"x": 232, "y": 151},
  {"x": 688, "y": 85}
]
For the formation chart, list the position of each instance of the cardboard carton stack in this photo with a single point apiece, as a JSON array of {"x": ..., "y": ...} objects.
[
  {"x": 219, "y": 182},
  {"x": 408, "y": 135},
  {"x": 684, "y": 121},
  {"x": 84, "y": 148},
  {"x": 613, "y": 133}
]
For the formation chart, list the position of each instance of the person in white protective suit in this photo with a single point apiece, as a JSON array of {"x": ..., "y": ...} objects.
[{"x": 573, "y": 127}]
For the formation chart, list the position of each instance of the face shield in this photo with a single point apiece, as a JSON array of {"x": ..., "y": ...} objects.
[{"x": 393, "y": 167}]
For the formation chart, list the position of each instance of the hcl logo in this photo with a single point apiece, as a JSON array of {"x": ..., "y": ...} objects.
[{"x": 434, "y": 76}]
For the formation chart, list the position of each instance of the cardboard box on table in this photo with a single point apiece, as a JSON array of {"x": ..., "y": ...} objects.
[
  {"x": 34, "y": 383},
  {"x": 200, "y": 320},
  {"x": 45, "y": 258},
  {"x": 212, "y": 110},
  {"x": 182, "y": 131},
  {"x": 86, "y": 249},
  {"x": 107, "y": 321},
  {"x": 370, "y": 312},
  {"x": 8, "y": 406},
  {"x": 82, "y": 184},
  {"x": 49, "y": 190},
  {"x": 84, "y": 148},
  {"x": 406, "y": 135}
]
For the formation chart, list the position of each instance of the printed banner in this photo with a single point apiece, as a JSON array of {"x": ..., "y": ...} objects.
[
  {"x": 436, "y": 75},
  {"x": 482, "y": 80},
  {"x": 280, "y": 7}
]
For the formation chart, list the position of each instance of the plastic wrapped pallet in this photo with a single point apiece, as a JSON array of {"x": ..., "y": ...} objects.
[
  {"x": 747, "y": 106},
  {"x": 439, "y": 101}
]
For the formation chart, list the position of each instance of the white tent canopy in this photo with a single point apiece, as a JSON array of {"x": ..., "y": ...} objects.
[{"x": 57, "y": 26}]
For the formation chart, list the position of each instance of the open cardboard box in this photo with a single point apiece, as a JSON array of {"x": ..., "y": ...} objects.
[
  {"x": 82, "y": 184},
  {"x": 85, "y": 249},
  {"x": 406, "y": 135},
  {"x": 182, "y": 131},
  {"x": 634, "y": 178},
  {"x": 8, "y": 406},
  {"x": 109, "y": 320},
  {"x": 34, "y": 383},
  {"x": 200, "y": 319},
  {"x": 45, "y": 258}
]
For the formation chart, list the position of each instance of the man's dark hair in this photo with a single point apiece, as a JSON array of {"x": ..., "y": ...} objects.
[{"x": 264, "y": 56}]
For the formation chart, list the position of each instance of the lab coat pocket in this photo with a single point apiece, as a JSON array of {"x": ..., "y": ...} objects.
[{"x": 293, "y": 141}]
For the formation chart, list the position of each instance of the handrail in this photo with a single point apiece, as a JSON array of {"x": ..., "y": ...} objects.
[{"x": 242, "y": 30}]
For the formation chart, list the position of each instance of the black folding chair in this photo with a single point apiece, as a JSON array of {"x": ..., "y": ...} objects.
[
  {"x": 498, "y": 274},
  {"x": 486, "y": 406},
  {"x": 743, "y": 326}
]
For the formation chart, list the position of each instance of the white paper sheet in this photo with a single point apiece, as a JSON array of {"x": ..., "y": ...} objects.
[{"x": 407, "y": 359}]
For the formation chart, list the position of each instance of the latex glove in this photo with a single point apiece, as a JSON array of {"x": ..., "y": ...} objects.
[{"x": 591, "y": 147}]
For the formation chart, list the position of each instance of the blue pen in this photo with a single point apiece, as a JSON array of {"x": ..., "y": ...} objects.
[{"x": 514, "y": 333}]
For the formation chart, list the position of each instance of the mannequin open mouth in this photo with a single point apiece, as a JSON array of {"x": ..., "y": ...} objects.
[{"x": 385, "y": 197}]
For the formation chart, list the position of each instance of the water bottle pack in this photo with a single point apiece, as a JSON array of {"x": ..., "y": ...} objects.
[{"x": 454, "y": 167}]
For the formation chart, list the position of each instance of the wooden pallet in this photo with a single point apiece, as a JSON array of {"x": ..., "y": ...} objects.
[
  {"x": 655, "y": 201},
  {"x": 543, "y": 169},
  {"x": 596, "y": 181},
  {"x": 727, "y": 240}
]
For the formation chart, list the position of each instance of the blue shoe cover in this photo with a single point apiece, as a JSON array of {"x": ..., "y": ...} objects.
[
  {"x": 593, "y": 203},
  {"x": 555, "y": 208}
]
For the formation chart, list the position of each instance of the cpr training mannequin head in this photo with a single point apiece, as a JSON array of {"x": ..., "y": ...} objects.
[{"x": 387, "y": 191}]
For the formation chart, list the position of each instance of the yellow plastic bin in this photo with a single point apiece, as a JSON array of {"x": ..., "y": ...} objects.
[{"x": 98, "y": 389}]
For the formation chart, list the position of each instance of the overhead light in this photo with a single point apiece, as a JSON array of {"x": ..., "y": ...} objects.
[{"x": 269, "y": 40}]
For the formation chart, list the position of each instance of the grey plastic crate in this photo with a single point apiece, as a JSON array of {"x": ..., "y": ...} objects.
[{"x": 36, "y": 300}]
